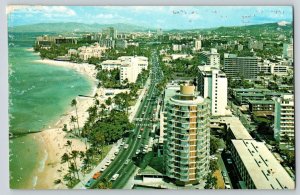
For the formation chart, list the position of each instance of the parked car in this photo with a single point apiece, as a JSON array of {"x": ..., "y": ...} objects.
[
  {"x": 114, "y": 177},
  {"x": 227, "y": 186},
  {"x": 96, "y": 175},
  {"x": 126, "y": 146},
  {"x": 90, "y": 182}
]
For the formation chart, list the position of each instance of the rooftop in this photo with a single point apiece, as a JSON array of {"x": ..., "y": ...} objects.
[
  {"x": 236, "y": 127},
  {"x": 250, "y": 90},
  {"x": 265, "y": 171}
]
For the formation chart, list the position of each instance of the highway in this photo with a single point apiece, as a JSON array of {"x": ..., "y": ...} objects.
[{"x": 123, "y": 163}]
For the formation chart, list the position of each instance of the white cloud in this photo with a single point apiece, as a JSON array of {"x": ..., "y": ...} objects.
[
  {"x": 48, "y": 11},
  {"x": 12, "y": 8},
  {"x": 105, "y": 16}
]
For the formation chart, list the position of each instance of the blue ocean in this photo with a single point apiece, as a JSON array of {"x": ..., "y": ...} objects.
[{"x": 38, "y": 95}]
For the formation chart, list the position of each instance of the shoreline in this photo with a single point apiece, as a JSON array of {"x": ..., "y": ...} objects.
[{"x": 54, "y": 138}]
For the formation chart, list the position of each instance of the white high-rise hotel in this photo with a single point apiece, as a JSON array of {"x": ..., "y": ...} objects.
[
  {"x": 211, "y": 57},
  {"x": 212, "y": 83},
  {"x": 131, "y": 67}
]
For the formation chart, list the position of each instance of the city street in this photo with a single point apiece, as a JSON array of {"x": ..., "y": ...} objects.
[{"x": 123, "y": 163}]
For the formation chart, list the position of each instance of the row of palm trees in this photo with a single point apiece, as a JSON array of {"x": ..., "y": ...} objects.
[{"x": 71, "y": 158}]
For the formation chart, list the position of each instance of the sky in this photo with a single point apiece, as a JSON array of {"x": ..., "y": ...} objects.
[{"x": 165, "y": 17}]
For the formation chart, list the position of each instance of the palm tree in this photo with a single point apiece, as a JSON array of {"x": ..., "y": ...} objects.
[
  {"x": 108, "y": 101},
  {"x": 69, "y": 144},
  {"x": 65, "y": 158},
  {"x": 74, "y": 155},
  {"x": 65, "y": 128},
  {"x": 74, "y": 103},
  {"x": 73, "y": 120},
  {"x": 73, "y": 170},
  {"x": 57, "y": 181}
]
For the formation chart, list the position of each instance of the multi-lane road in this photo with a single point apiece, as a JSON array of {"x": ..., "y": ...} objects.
[{"x": 123, "y": 164}]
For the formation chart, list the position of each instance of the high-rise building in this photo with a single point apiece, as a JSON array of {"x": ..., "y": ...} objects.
[
  {"x": 288, "y": 50},
  {"x": 131, "y": 67},
  {"x": 212, "y": 83},
  {"x": 198, "y": 44},
  {"x": 211, "y": 57},
  {"x": 237, "y": 67},
  {"x": 187, "y": 136},
  {"x": 110, "y": 33},
  {"x": 284, "y": 129}
]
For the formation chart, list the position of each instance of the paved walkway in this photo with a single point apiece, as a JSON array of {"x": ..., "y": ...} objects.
[{"x": 85, "y": 178}]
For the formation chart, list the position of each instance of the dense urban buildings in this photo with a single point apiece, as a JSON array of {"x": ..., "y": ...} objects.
[
  {"x": 187, "y": 136},
  {"x": 237, "y": 67},
  {"x": 284, "y": 122},
  {"x": 212, "y": 83}
]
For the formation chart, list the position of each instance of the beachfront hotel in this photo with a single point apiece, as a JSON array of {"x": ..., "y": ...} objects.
[
  {"x": 95, "y": 50},
  {"x": 131, "y": 67},
  {"x": 186, "y": 136}
]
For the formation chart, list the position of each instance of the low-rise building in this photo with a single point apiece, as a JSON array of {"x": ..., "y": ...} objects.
[
  {"x": 95, "y": 50},
  {"x": 261, "y": 106},
  {"x": 257, "y": 166}
]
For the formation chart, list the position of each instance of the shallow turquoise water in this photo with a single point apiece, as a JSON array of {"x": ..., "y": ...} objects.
[{"x": 38, "y": 95}]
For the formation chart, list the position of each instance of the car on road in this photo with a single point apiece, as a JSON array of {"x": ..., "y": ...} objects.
[
  {"x": 96, "y": 175},
  {"x": 89, "y": 183},
  {"x": 107, "y": 163},
  {"x": 227, "y": 186},
  {"x": 224, "y": 173},
  {"x": 127, "y": 161},
  {"x": 115, "y": 176}
]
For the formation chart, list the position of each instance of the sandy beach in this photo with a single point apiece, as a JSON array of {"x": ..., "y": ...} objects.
[{"x": 54, "y": 138}]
